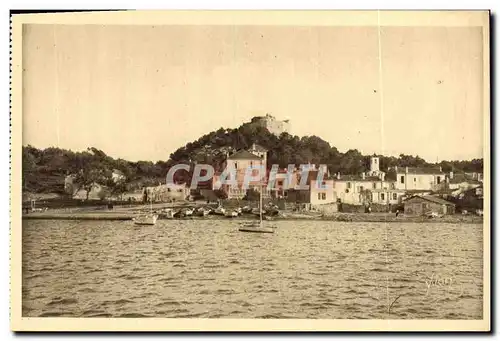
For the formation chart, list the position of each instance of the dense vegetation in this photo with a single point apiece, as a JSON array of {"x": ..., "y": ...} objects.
[{"x": 44, "y": 170}]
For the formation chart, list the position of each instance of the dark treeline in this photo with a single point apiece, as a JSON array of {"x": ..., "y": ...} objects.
[{"x": 43, "y": 169}]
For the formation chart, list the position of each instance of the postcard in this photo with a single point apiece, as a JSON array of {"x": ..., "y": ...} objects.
[{"x": 250, "y": 171}]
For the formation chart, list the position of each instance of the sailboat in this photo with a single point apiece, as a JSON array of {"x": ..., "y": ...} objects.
[
  {"x": 148, "y": 218},
  {"x": 257, "y": 227}
]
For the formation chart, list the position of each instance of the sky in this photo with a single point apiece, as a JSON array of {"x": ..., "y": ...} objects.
[{"x": 141, "y": 92}]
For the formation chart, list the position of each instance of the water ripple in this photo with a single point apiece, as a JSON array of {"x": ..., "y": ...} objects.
[{"x": 207, "y": 269}]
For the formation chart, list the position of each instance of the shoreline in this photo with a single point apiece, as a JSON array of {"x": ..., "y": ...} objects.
[{"x": 340, "y": 217}]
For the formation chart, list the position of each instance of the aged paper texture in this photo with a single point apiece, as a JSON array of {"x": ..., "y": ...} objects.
[{"x": 250, "y": 171}]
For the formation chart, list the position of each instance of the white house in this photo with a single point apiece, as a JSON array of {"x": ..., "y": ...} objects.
[
  {"x": 423, "y": 179},
  {"x": 117, "y": 176},
  {"x": 323, "y": 193}
]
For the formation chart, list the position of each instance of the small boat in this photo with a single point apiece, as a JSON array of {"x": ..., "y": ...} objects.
[
  {"x": 167, "y": 213},
  {"x": 146, "y": 219},
  {"x": 188, "y": 212},
  {"x": 179, "y": 214},
  {"x": 246, "y": 209},
  {"x": 203, "y": 212},
  {"x": 231, "y": 214},
  {"x": 219, "y": 211},
  {"x": 257, "y": 227},
  {"x": 258, "y": 212}
]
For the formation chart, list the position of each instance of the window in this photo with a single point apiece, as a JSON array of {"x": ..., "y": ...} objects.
[
  {"x": 348, "y": 185},
  {"x": 280, "y": 182},
  {"x": 402, "y": 179},
  {"x": 236, "y": 165},
  {"x": 323, "y": 196},
  {"x": 319, "y": 196},
  {"x": 374, "y": 185},
  {"x": 374, "y": 160},
  {"x": 394, "y": 196},
  {"x": 414, "y": 179},
  {"x": 361, "y": 188},
  {"x": 439, "y": 179},
  {"x": 382, "y": 196},
  {"x": 168, "y": 189},
  {"x": 251, "y": 163}
]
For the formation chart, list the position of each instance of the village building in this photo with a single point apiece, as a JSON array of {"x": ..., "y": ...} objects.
[
  {"x": 260, "y": 151},
  {"x": 318, "y": 197},
  {"x": 387, "y": 196},
  {"x": 458, "y": 183},
  {"x": 117, "y": 176},
  {"x": 375, "y": 168},
  {"x": 364, "y": 190},
  {"x": 462, "y": 181},
  {"x": 167, "y": 192},
  {"x": 244, "y": 161},
  {"x": 474, "y": 176},
  {"x": 419, "y": 179},
  {"x": 420, "y": 205},
  {"x": 370, "y": 187},
  {"x": 320, "y": 194},
  {"x": 283, "y": 183}
]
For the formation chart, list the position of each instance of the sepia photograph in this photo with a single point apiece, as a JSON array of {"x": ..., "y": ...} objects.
[{"x": 250, "y": 170}]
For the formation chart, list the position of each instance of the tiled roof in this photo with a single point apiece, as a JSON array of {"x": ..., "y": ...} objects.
[
  {"x": 418, "y": 170},
  {"x": 445, "y": 191},
  {"x": 462, "y": 177},
  {"x": 350, "y": 177},
  {"x": 433, "y": 199},
  {"x": 243, "y": 155}
]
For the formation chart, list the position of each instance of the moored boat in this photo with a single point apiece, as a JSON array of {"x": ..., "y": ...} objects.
[
  {"x": 167, "y": 213},
  {"x": 219, "y": 211},
  {"x": 231, "y": 214},
  {"x": 257, "y": 227},
  {"x": 146, "y": 219},
  {"x": 179, "y": 214},
  {"x": 203, "y": 212}
]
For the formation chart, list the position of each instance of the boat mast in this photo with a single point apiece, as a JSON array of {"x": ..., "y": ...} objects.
[{"x": 260, "y": 206}]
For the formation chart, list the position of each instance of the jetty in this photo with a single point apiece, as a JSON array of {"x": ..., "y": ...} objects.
[{"x": 79, "y": 216}]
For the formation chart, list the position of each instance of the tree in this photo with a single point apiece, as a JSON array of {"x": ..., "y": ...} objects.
[
  {"x": 116, "y": 188},
  {"x": 87, "y": 178},
  {"x": 28, "y": 165}
]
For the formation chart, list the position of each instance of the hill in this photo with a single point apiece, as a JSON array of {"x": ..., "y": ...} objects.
[{"x": 44, "y": 170}]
